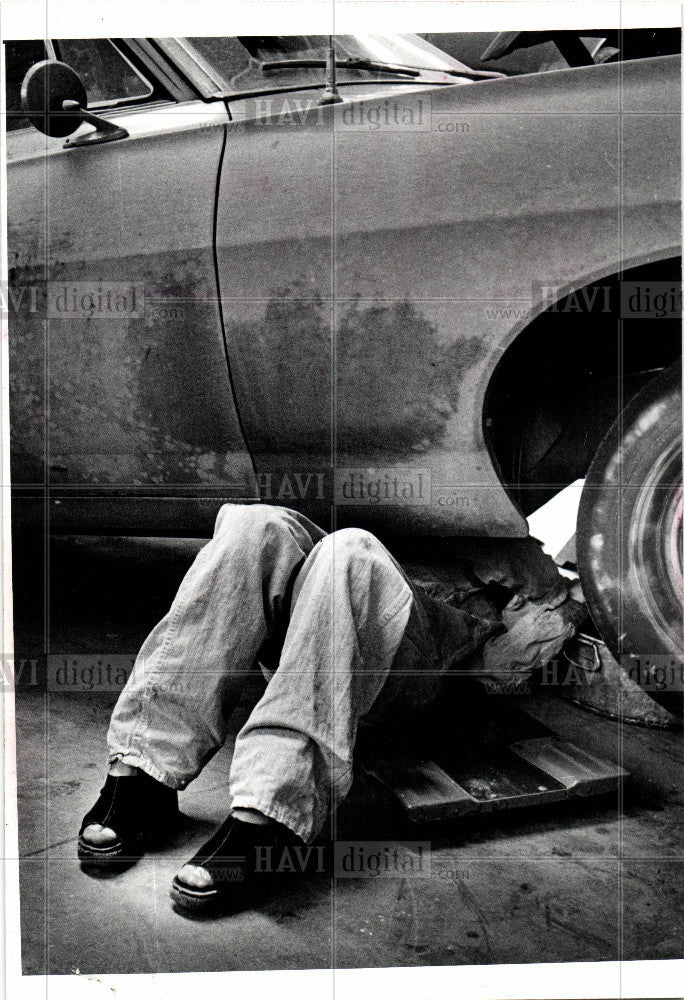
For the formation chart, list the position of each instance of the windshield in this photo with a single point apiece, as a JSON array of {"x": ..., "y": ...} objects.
[{"x": 238, "y": 63}]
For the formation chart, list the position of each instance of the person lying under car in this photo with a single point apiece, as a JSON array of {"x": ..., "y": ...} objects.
[{"x": 342, "y": 635}]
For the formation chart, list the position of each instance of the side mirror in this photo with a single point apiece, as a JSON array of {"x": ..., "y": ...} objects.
[
  {"x": 44, "y": 89},
  {"x": 54, "y": 100}
]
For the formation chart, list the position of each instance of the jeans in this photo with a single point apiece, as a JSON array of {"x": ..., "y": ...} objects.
[{"x": 341, "y": 635}]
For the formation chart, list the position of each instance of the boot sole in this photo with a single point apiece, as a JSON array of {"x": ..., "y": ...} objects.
[
  {"x": 95, "y": 856},
  {"x": 90, "y": 852},
  {"x": 105, "y": 862},
  {"x": 229, "y": 900},
  {"x": 195, "y": 901}
]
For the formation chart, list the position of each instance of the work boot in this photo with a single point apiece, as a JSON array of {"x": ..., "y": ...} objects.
[
  {"x": 240, "y": 864},
  {"x": 131, "y": 812}
]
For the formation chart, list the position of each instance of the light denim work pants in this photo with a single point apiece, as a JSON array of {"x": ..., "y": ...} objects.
[{"x": 347, "y": 635}]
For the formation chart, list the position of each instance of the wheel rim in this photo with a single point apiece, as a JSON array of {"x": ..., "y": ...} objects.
[
  {"x": 654, "y": 553},
  {"x": 674, "y": 554}
]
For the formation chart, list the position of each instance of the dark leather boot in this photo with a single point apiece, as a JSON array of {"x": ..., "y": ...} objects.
[{"x": 137, "y": 808}]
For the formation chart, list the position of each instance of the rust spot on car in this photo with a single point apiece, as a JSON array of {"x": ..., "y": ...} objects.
[
  {"x": 131, "y": 400},
  {"x": 378, "y": 376},
  {"x": 179, "y": 359}
]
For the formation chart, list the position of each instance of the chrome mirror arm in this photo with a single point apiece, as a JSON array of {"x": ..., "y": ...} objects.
[{"x": 105, "y": 131}]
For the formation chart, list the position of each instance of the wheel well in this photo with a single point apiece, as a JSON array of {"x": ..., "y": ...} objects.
[{"x": 563, "y": 381}]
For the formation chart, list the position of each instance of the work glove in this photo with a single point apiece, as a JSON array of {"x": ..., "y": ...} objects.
[{"x": 534, "y": 632}]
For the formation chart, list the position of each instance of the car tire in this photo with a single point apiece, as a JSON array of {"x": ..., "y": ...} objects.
[{"x": 629, "y": 538}]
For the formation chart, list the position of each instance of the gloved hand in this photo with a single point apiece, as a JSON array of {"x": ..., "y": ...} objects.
[{"x": 535, "y": 632}]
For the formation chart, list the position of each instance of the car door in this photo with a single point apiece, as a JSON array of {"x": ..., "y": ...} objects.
[
  {"x": 337, "y": 275},
  {"x": 121, "y": 403}
]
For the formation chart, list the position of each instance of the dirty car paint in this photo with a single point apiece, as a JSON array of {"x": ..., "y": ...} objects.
[
  {"x": 137, "y": 396},
  {"x": 370, "y": 281},
  {"x": 368, "y": 297}
]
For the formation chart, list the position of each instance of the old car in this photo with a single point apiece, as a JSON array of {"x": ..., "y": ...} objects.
[{"x": 359, "y": 278}]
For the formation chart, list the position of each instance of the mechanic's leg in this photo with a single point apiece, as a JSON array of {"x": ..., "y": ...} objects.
[
  {"x": 353, "y": 609},
  {"x": 171, "y": 716},
  {"x": 293, "y": 756}
]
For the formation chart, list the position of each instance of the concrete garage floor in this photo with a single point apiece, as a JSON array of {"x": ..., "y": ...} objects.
[{"x": 579, "y": 882}]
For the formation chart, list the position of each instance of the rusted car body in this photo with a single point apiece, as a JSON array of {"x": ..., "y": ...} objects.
[
  {"x": 367, "y": 282},
  {"x": 445, "y": 246},
  {"x": 415, "y": 285}
]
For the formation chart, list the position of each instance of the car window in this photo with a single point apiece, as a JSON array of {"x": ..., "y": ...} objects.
[
  {"x": 20, "y": 56},
  {"x": 269, "y": 62},
  {"x": 108, "y": 75}
]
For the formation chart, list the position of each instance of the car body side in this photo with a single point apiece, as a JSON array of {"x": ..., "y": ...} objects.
[{"x": 364, "y": 283}]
